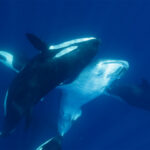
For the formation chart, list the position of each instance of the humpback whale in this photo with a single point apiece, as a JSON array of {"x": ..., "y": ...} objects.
[
  {"x": 54, "y": 65},
  {"x": 90, "y": 84},
  {"x": 137, "y": 95}
]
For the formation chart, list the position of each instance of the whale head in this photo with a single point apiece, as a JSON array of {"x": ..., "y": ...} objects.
[
  {"x": 90, "y": 84},
  {"x": 107, "y": 71}
]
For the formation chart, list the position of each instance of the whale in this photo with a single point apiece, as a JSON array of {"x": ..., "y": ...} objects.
[
  {"x": 54, "y": 65},
  {"x": 91, "y": 83}
]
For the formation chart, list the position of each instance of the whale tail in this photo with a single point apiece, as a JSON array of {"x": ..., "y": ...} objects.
[{"x": 52, "y": 144}]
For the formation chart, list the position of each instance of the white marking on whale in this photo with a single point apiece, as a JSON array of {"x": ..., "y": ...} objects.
[
  {"x": 65, "y": 51},
  {"x": 69, "y": 43}
]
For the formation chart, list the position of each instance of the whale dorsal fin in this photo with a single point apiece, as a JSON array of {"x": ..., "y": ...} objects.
[{"x": 37, "y": 42}]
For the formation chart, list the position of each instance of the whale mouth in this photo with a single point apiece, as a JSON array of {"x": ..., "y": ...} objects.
[
  {"x": 121, "y": 63},
  {"x": 106, "y": 72},
  {"x": 115, "y": 68},
  {"x": 121, "y": 68}
]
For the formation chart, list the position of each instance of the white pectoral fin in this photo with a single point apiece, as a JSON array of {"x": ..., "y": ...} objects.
[{"x": 8, "y": 60}]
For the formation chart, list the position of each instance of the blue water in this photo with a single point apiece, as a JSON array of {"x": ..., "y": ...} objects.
[{"x": 124, "y": 28}]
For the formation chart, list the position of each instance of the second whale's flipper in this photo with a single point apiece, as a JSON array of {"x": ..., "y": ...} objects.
[
  {"x": 52, "y": 144},
  {"x": 13, "y": 62}
]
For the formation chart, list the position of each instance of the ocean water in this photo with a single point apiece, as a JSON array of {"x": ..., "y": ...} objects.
[{"x": 124, "y": 29}]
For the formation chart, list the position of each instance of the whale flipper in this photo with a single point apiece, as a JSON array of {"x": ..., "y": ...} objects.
[
  {"x": 52, "y": 144},
  {"x": 37, "y": 42}
]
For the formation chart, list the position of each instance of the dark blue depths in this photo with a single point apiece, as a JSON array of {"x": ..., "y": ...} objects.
[{"x": 124, "y": 28}]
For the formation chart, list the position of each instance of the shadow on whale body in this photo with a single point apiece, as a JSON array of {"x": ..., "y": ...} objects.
[
  {"x": 54, "y": 65},
  {"x": 90, "y": 84}
]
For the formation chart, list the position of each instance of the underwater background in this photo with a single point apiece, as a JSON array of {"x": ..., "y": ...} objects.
[{"x": 124, "y": 29}]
